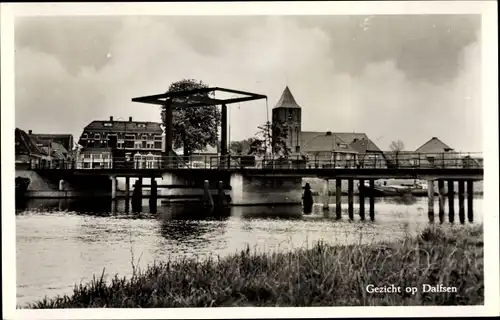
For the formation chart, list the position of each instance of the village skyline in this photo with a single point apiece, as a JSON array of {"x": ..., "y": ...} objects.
[{"x": 411, "y": 82}]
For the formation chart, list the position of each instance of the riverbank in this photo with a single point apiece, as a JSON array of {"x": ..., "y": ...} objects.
[{"x": 323, "y": 275}]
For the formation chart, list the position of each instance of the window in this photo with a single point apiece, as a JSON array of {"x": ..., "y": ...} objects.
[
  {"x": 84, "y": 136},
  {"x": 86, "y": 165},
  {"x": 129, "y": 144},
  {"x": 342, "y": 146},
  {"x": 104, "y": 143},
  {"x": 86, "y": 156},
  {"x": 105, "y": 157},
  {"x": 144, "y": 144},
  {"x": 129, "y": 137},
  {"x": 108, "y": 124},
  {"x": 157, "y": 145},
  {"x": 144, "y": 137},
  {"x": 157, "y": 138},
  {"x": 97, "y": 136},
  {"x": 141, "y": 125},
  {"x": 150, "y": 137}
]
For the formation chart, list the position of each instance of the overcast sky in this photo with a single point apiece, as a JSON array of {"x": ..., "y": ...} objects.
[{"x": 392, "y": 77}]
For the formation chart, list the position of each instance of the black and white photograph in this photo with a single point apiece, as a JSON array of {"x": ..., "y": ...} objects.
[{"x": 226, "y": 155}]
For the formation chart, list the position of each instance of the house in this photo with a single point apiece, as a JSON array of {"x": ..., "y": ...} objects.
[
  {"x": 55, "y": 146},
  {"x": 64, "y": 140},
  {"x": 106, "y": 143},
  {"x": 435, "y": 153},
  {"x": 369, "y": 155},
  {"x": 327, "y": 147},
  {"x": 26, "y": 150},
  {"x": 434, "y": 145},
  {"x": 432, "y": 154}
]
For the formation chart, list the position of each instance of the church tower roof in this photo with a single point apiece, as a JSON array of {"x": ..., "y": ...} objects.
[{"x": 287, "y": 100}]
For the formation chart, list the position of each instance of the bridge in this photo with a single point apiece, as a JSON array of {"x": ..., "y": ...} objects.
[{"x": 407, "y": 166}]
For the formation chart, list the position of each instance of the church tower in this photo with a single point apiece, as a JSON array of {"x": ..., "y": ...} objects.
[{"x": 288, "y": 111}]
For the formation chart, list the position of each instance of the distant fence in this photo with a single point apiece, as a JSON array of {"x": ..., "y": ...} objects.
[{"x": 361, "y": 161}]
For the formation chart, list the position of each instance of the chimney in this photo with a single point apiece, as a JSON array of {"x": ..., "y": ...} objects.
[
  {"x": 328, "y": 133},
  {"x": 130, "y": 119},
  {"x": 30, "y": 132},
  {"x": 111, "y": 118}
]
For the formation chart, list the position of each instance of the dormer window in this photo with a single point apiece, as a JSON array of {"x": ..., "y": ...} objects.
[
  {"x": 141, "y": 125},
  {"x": 84, "y": 136},
  {"x": 108, "y": 124}
]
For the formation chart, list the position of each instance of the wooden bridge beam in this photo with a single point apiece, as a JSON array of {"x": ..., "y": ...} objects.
[
  {"x": 362, "y": 201},
  {"x": 441, "y": 200},
  {"x": 350, "y": 208},
  {"x": 451, "y": 203},
  {"x": 470, "y": 196},
  {"x": 338, "y": 198},
  {"x": 372, "y": 200},
  {"x": 223, "y": 134}
]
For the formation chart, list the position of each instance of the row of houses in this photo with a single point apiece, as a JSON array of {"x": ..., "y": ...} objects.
[
  {"x": 140, "y": 144},
  {"x": 51, "y": 150}
]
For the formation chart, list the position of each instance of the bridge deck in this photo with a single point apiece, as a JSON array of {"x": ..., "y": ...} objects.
[{"x": 412, "y": 166}]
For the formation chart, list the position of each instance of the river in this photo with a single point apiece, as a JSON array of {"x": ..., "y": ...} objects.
[{"x": 62, "y": 242}]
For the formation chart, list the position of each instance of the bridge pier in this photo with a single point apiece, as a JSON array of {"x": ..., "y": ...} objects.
[
  {"x": 137, "y": 196},
  {"x": 461, "y": 208},
  {"x": 326, "y": 194},
  {"x": 470, "y": 196},
  {"x": 372, "y": 200},
  {"x": 362, "y": 201},
  {"x": 441, "y": 200},
  {"x": 451, "y": 204},
  {"x": 153, "y": 197},
  {"x": 350, "y": 209},
  {"x": 338, "y": 198},
  {"x": 430, "y": 199}
]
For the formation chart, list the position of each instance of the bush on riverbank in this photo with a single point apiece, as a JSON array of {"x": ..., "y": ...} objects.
[{"x": 324, "y": 275}]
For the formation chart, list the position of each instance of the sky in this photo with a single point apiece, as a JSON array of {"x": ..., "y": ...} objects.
[{"x": 398, "y": 77}]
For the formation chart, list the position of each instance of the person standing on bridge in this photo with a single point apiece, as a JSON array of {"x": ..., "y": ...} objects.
[{"x": 307, "y": 199}]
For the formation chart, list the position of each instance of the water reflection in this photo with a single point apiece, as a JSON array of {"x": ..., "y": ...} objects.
[{"x": 60, "y": 242}]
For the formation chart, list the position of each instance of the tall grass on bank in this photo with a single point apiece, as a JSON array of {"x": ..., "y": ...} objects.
[{"x": 323, "y": 275}]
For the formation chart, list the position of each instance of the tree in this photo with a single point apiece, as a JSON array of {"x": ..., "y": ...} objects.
[
  {"x": 193, "y": 128},
  {"x": 271, "y": 138},
  {"x": 241, "y": 147},
  {"x": 397, "y": 146}
]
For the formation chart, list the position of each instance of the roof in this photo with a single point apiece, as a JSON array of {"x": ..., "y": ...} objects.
[
  {"x": 124, "y": 126},
  {"x": 434, "y": 145},
  {"x": 66, "y": 140},
  {"x": 287, "y": 100},
  {"x": 349, "y": 137},
  {"x": 56, "y": 150},
  {"x": 364, "y": 145},
  {"x": 324, "y": 141},
  {"x": 25, "y": 144}
]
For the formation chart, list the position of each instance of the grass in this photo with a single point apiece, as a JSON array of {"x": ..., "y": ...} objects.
[{"x": 323, "y": 275}]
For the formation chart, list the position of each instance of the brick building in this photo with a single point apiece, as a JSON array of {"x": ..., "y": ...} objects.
[{"x": 105, "y": 143}]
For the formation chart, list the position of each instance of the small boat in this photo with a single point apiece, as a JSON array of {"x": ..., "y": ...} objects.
[{"x": 415, "y": 189}]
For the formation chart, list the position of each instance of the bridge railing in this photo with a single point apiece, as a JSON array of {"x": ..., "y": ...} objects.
[{"x": 360, "y": 161}]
